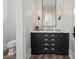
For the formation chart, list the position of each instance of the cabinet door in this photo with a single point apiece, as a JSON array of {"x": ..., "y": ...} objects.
[
  {"x": 34, "y": 45},
  {"x": 65, "y": 41},
  {"x": 62, "y": 40},
  {"x": 63, "y": 44},
  {"x": 35, "y": 42}
]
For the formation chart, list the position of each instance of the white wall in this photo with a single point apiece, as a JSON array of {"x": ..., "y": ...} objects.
[
  {"x": 66, "y": 24},
  {"x": 69, "y": 18},
  {"x": 9, "y": 24}
]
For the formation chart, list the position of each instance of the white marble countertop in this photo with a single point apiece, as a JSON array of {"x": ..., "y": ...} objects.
[{"x": 48, "y": 32}]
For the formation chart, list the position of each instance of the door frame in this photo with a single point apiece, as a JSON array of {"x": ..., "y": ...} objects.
[{"x": 20, "y": 54}]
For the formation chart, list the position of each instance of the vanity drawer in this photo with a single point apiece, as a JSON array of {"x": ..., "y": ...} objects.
[
  {"x": 49, "y": 45},
  {"x": 44, "y": 35},
  {"x": 53, "y": 45},
  {"x": 53, "y": 49},
  {"x": 49, "y": 39},
  {"x": 49, "y": 50},
  {"x": 49, "y": 35},
  {"x": 39, "y": 34},
  {"x": 45, "y": 44},
  {"x": 45, "y": 50}
]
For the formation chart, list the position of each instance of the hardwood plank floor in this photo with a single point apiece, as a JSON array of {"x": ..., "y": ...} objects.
[
  {"x": 9, "y": 57},
  {"x": 44, "y": 56},
  {"x": 49, "y": 56}
]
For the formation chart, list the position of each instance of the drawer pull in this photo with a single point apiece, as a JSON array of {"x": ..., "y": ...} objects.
[
  {"x": 52, "y": 39},
  {"x": 52, "y": 35},
  {"x": 52, "y": 48},
  {"x": 45, "y": 35},
  {"x": 53, "y": 44},
  {"x": 45, "y": 44},
  {"x": 46, "y": 49},
  {"x": 46, "y": 39}
]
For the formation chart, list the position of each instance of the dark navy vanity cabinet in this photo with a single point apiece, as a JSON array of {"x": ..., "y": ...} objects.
[{"x": 49, "y": 43}]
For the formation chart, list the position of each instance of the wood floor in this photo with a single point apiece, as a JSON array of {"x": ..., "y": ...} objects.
[
  {"x": 9, "y": 57},
  {"x": 6, "y": 56},
  {"x": 44, "y": 56},
  {"x": 49, "y": 56}
]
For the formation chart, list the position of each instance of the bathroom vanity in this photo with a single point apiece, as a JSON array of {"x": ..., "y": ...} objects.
[
  {"x": 49, "y": 42},
  {"x": 54, "y": 36}
]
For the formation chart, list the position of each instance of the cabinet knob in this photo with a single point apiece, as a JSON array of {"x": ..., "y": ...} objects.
[
  {"x": 52, "y": 39},
  {"x": 52, "y": 35},
  {"x": 46, "y": 39},
  {"x": 45, "y": 48},
  {"x": 53, "y": 44},
  {"x": 46, "y": 44},
  {"x": 52, "y": 48},
  {"x": 46, "y": 35}
]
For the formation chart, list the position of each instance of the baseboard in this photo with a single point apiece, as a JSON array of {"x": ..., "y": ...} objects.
[
  {"x": 70, "y": 54},
  {"x": 28, "y": 54}
]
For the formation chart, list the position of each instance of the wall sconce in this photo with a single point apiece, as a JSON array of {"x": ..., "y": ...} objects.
[
  {"x": 39, "y": 15},
  {"x": 60, "y": 14}
]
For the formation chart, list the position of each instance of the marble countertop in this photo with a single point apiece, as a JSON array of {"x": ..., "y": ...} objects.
[{"x": 48, "y": 32}]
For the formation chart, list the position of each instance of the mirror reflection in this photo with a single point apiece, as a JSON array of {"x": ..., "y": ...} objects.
[{"x": 49, "y": 12}]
